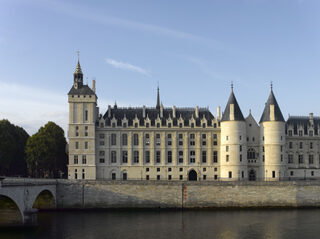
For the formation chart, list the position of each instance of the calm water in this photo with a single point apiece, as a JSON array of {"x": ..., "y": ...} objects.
[{"x": 303, "y": 223}]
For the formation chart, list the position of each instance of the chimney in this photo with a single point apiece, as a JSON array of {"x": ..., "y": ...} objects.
[
  {"x": 219, "y": 113},
  {"x": 311, "y": 118},
  {"x": 161, "y": 110},
  {"x": 144, "y": 111},
  {"x": 197, "y": 112},
  {"x": 109, "y": 111},
  {"x": 94, "y": 86},
  {"x": 173, "y": 111}
]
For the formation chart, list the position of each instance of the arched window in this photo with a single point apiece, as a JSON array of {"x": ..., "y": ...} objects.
[{"x": 251, "y": 153}]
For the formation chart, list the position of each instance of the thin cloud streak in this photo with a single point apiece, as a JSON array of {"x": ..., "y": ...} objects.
[
  {"x": 126, "y": 66},
  {"x": 206, "y": 69},
  {"x": 83, "y": 12}
]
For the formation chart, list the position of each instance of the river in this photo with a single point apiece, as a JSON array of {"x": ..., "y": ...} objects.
[{"x": 228, "y": 224}]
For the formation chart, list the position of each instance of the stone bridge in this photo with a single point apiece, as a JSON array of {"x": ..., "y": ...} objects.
[{"x": 28, "y": 195}]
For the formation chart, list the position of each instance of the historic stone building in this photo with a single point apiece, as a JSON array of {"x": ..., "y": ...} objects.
[{"x": 159, "y": 143}]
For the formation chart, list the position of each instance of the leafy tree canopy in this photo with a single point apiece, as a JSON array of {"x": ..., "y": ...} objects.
[
  {"x": 46, "y": 152},
  {"x": 12, "y": 144}
]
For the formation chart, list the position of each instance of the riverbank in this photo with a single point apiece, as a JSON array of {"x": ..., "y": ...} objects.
[{"x": 75, "y": 194}]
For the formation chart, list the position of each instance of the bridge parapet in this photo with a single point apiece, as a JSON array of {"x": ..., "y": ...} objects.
[{"x": 27, "y": 182}]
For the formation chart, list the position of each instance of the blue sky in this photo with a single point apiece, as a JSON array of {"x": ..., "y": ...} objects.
[{"x": 194, "y": 49}]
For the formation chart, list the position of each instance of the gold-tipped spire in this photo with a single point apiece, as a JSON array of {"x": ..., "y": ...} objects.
[{"x": 78, "y": 67}]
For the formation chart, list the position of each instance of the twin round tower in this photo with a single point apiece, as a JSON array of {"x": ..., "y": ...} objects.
[{"x": 238, "y": 134}]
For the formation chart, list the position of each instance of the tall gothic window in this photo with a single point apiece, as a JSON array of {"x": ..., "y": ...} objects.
[{"x": 251, "y": 153}]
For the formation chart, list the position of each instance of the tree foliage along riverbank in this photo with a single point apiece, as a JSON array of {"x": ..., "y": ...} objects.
[
  {"x": 41, "y": 155},
  {"x": 13, "y": 140},
  {"x": 46, "y": 152}
]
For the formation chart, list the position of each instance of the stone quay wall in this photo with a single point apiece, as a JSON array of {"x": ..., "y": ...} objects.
[{"x": 160, "y": 194}]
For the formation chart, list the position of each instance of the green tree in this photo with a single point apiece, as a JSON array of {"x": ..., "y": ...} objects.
[
  {"x": 46, "y": 152},
  {"x": 12, "y": 149}
]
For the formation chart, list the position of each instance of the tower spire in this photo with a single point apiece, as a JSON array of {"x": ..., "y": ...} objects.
[
  {"x": 78, "y": 75},
  {"x": 158, "y": 98}
]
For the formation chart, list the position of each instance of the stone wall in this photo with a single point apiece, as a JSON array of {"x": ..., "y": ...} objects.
[{"x": 157, "y": 194}]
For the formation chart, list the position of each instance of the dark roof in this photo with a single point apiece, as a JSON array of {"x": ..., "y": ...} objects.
[
  {"x": 303, "y": 121},
  {"x": 277, "y": 112},
  {"x": 84, "y": 90},
  {"x": 237, "y": 111},
  {"x": 153, "y": 113}
]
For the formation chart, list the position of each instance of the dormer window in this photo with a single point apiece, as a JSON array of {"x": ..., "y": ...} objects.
[
  {"x": 136, "y": 125},
  {"x": 180, "y": 125},
  {"x": 300, "y": 133},
  {"x": 113, "y": 125},
  {"x": 158, "y": 125},
  {"x": 147, "y": 125},
  {"x": 169, "y": 125},
  {"x": 192, "y": 125},
  {"x": 311, "y": 133},
  {"x": 290, "y": 132},
  {"x": 124, "y": 125}
]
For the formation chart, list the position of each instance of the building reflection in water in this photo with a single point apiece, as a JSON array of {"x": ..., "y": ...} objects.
[{"x": 224, "y": 224}]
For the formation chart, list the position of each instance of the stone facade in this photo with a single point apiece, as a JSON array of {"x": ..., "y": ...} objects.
[
  {"x": 175, "y": 194},
  {"x": 159, "y": 143}
]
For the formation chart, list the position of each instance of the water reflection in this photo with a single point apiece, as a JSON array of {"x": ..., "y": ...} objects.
[{"x": 224, "y": 224}]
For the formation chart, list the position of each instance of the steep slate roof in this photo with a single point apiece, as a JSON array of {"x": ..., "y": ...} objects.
[
  {"x": 303, "y": 121},
  {"x": 84, "y": 90},
  {"x": 152, "y": 113},
  {"x": 266, "y": 112},
  {"x": 237, "y": 111}
]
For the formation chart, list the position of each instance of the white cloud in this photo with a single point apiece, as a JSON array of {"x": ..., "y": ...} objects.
[
  {"x": 31, "y": 108},
  {"x": 126, "y": 66}
]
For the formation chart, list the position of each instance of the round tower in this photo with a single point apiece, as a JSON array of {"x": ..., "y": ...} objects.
[
  {"x": 233, "y": 162},
  {"x": 272, "y": 141}
]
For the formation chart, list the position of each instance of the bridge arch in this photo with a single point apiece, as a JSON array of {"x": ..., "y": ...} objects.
[
  {"x": 11, "y": 212},
  {"x": 45, "y": 199}
]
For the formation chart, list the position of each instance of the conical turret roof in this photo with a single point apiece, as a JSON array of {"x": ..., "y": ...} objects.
[
  {"x": 277, "y": 112},
  {"x": 237, "y": 111}
]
